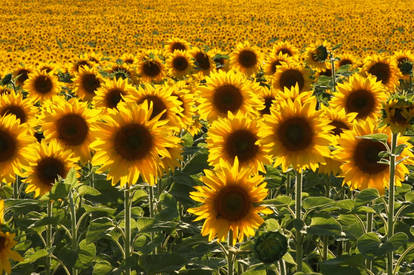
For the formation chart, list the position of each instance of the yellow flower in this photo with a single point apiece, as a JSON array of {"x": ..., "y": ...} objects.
[
  {"x": 289, "y": 74},
  {"x": 112, "y": 92},
  {"x": 385, "y": 70},
  {"x": 22, "y": 109},
  {"x": 177, "y": 44},
  {"x": 229, "y": 202},
  {"x": 86, "y": 82},
  {"x": 130, "y": 144},
  {"x": 316, "y": 55},
  {"x": 7, "y": 242},
  {"x": 41, "y": 86},
  {"x": 246, "y": 58},
  {"x": 179, "y": 63}
]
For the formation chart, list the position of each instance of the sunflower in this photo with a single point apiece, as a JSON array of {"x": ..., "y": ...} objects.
[
  {"x": 221, "y": 59},
  {"x": 124, "y": 71},
  {"x": 289, "y": 74},
  {"x": 42, "y": 86},
  {"x": 129, "y": 59},
  {"x": 130, "y": 144},
  {"x": 385, "y": 70},
  {"x": 185, "y": 98},
  {"x": 398, "y": 113},
  {"x": 70, "y": 123},
  {"x": 162, "y": 102},
  {"x": 112, "y": 92},
  {"x": 79, "y": 63},
  {"x": 14, "y": 141},
  {"x": 273, "y": 61},
  {"x": 267, "y": 97},
  {"x": 284, "y": 48},
  {"x": 4, "y": 91},
  {"x": 341, "y": 121},
  {"x": 22, "y": 109},
  {"x": 177, "y": 44},
  {"x": 236, "y": 136},
  {"x": 22, "y": 74},
  {"x": 361, "y": 168},
  {"x": 230, "y": 199},
  {"x": 203, "y": 61},
  {"x": 151, "y": 69},
  {"x": 245, "y": 58},
  {"x": 362, "y": 95},
  {"x": 405, "y": 62},
  {"x": 49, "y": 160},
  {"x": 7, "y": 242},
  {"x": 291, "y": 94},
  {"x": 296, "y": 135},
  {"x": 347, "y": 59},
  {"x": 179, "y": 63},
  {"x": 227, "y": 92},
  {"x": 86, "y": 82},
  {"x": 316, "y": 55}
]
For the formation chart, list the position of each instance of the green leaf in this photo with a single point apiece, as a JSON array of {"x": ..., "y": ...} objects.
[
  {"x": 376, "y": 137},
  {"x": 35, "y": 256},
  {"x": 351, "y": 226},
  {"x": 88, "y": 190},
  {"x": 272, "y": 225},
  {"x": 60, "y": 190},
  {"x": 364, "y": 209},
  {"x": 367, "y": 195},
  {"x": 400, "y": 148},
  {"x": 71, "y": 177},
  {"x": 168, "y": 207},
  {"x": 397, "y": 240},
  {"x": 97, "y": 229},
  {"x": 99, "y": 208},
  {"x": 165, "y": 263},
  {"x": 313, "y": 202},
  {"x": 409, "y": 196},
  {"x": 102, "y": 267},
  {"x": 325, "y": 226},
  {"x": 87, "y": 253},
  {"x": 279, "y": 200},
  {"x": 197, "y": 164},
  {"x": 346, "y": 204},
  {"x": 256, "y": 270},
  {"x": 344, "y": 265},
  {"x": 369, "y": 244}
]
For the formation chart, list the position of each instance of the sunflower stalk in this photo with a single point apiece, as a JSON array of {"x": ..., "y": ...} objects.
[
  {"x": 16, "y": 188},
  {"x": 390, "y": 229},
  {"x": 127, "y": 211},
  {"x": 370, "y": 218},
  {"x": 230, "y": 254},
  {"x": 49, "y": 238},
  {"x": 74, "y": 228},
  {"x": 333, "y": 72},
  {"x": 298, "y": 213},
  {"x": 282, "y": 267}
]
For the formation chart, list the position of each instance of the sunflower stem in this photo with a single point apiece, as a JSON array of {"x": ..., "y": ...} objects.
[
  {"x": 325, "y": 241},
  {"x": 298, "y": 212},
  {"x": 282, "y": 266},
  {"x": 370, "y": 217},
  {"x": 16, "y": 188},
  {"x": 127, "y": 210},
  {"x": 49, "y": 238},
  {"x": 333, "y": 73},
  {"x": 230, "y": 253},
  {"x": 74, "y": 229},
  {"x": 391, "y": 201},
  {"x": 92, "y": 175}
]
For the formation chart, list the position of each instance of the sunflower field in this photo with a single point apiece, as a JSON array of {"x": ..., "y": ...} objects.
[{"x": 260, "y": 137}]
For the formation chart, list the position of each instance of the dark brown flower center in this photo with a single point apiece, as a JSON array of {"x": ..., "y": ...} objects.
[
  {"x": 268, "y": 105},
  {"x": 72, "y": 129},
  {"x": 178, "y": 46},
  {"x": 247, "y": 58},
  {"x": 285, "y": 51},
  {"x": 133, "y": 142},
  {"x": 81, "y": 63},
  {"x": 203, "y": 61},
  {"x": 48, "y": 169},
  {"x": 381, "y": 71},
  {"x": 151, "y": 69},
  {"x": 22, "y": 76},
  {"x": 344, "y": 62},
  {"x": 227, "y": 98},
  {"x": 14, "y": 110},
  {"x": 232, "y": 203},
  {"x": 90, "y": 83},
  {"x": 157, "y": 106},
  {"x": 290, "y": 77},
  {"x": 113, "y": 97},
  {"x": 340, "y": 126},
  {"x": 8, "y": 146},
  {"x": 295, "y": 134},
  {"x": 362, "y": 102},
  {"x": 274, "y": 65},
  {"x": 180, "y": 63},
  {"x": 43, "y": 84},
  {"x": 241, "y": 144},
  {"x": 366, "y": 157},
  {"x": 2, "y": 243}
]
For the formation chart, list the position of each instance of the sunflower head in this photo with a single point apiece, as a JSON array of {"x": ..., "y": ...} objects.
[
  {"x": 70, "y": 122},
  {"x": 289, "y": 74},
  {"x": 227, "y": 92},
  {"x": 316, "y": 55},
  {"x": 42, "y": 86},
  {"x": 49, "y": 161},
  {"x": 22, "y": 74},
  {"x": 284, "y": 48},
  {"x": 398, "y": 113},
  {"x": 362, "y": 95},
  {"x": 177, "y": 44},
  {"x": 86, "y": 82},
  {"x": 22, "y": 109},
  {"x": 229, "y": 201},
  {"x": 150, "y": 68},
  {"x": 203, "y": 61},
  {"x": 7, "y": 243},
  {"x": 112, "y": 92},
  {"x": 362, "y": 167},
  {"x": 179, "y": 63},
  {"x": 296, "y": 135},
  {"x": 130, "y": 144},
  {"x": 275, "y": 60},
  {"x": 405, "y": 61},
  {"x": 246, "y": 58},
  {"x": 384, "y": 69},
  {"x": 236, "y": 137}
]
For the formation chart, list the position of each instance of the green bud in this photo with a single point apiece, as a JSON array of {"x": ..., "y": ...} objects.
[{"x": 270, "y": 247}]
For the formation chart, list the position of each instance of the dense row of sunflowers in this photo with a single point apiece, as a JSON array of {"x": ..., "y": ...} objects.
[{"x": 133, "y": 119}]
